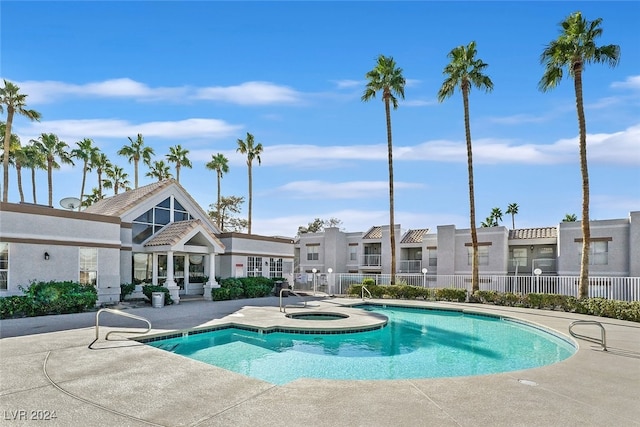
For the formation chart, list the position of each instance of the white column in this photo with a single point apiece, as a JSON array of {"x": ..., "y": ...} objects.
[
  {"x": 170, "y": 283},
  {"x": 211, "y": 283},
  {"x": 154, "y": 269}
]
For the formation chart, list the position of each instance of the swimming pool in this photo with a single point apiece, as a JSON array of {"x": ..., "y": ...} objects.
[{"x": 415, "y": 343}]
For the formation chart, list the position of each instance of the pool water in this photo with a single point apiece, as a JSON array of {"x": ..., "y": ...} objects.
[{"x": 416, "y": 343}]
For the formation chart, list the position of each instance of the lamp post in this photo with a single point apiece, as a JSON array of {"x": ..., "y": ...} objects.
[
  {"x": 331, "y": 284},
  {"x": 314, "y": 271},
  {"x": 537, "y": 272},
  {"x": 424, "y": 277}
]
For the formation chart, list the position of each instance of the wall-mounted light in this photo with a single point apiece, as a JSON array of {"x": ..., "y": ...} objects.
[
  {"x": 531, "y": 248},
  {"x": 46, "y": 256},
  {"x": 266, "y": 263}
]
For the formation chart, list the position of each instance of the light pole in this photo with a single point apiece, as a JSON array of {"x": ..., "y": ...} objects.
[
  {"x": 424, "y": 277},
  {"x": 537, "y": 272},
  {"x": 331, "y": 284},
  {"x": 314, "y": 271}
]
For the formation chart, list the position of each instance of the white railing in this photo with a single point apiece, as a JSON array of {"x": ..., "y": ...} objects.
[{"x": 618, "y": 288}]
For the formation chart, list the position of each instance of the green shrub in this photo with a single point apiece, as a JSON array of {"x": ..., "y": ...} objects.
[
  {"x": 16, "y": 306},
  {"x": 243, "y": 287},
  {"x": 126, "y": 289},
  {"x": 147, "y": 290},
  {"x": 451, "y": 294},
  {"x": 42, "y": 298}
]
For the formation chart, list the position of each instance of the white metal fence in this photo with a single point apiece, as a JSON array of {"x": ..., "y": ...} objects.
[{"x": 618, "y": 288}]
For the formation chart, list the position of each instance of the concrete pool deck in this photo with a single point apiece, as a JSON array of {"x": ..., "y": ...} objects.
[{"x": 46, "y": 367}]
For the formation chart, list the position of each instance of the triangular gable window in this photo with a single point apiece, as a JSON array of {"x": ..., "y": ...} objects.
[{"x": 157, "y": 217}]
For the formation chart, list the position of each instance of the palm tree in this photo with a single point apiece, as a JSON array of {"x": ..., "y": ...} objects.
[
  {"x": 220, "y": 164},
  {"x": 136, "y": 151},
  {"x": 11, "y": 97},
  {"x": 570, "y": 218},
  {"x": 178, "y": 155},
  {"x": 34, "y": 159},
  {"x": 101, "y": 163},
  {"x": 90, "y": 199},
  {"x": 496, "y": 214},
  {"x": 160, "y": 170},
  {"x": 575, "y": 47},
  {"x": 118, "y": 178},
  {"x": 53, "y": 150},
  {"x": 16, "y": 156},
  {"x": 86, "y": 152},
  {"x": 253, "y": 152},
  {"x": 387, "y": 78},
  {"x": 512, "y": 209},
  {"x": 463, "y": 72}
]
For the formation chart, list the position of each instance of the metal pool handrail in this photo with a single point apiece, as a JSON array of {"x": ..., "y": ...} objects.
[
  {"x": 283, "y": 308},
  {"x": 603, "y": 335},
  {"x": 364, "y": 288},
  {"x": 119, "y": 313}
]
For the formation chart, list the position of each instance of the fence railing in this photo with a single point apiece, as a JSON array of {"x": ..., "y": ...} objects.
[{"x": 618, "y": 288}]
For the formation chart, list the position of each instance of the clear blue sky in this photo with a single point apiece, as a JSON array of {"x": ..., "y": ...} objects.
[{"x": 203, "y": 74}]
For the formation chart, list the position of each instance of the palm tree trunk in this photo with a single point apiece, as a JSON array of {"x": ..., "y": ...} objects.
[
  {"x": 178, "y": 172},
  {"x": 84, "y": 179},
  {"x": 135, "y": 171},
  {"x": 586, "y": 232},
  {"x": 218, "y": 205},
  {"x": 392, "y": 233},
  {"x": 19, "y": 173},
  {"x": 250, "y": 199},
  {"x": 50, "y": 180},
  {"x": 100, "y": 184},
  {"x": 5, "y": 158},
  {"x": 475, "y": 282},
  {"x": 33, "y": 184}
]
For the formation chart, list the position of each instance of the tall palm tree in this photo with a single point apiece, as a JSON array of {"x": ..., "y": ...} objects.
[
  {"x": 34, "y": 159},
  {"x": 252, "y": 152},
  {"x": 463, "y": 72},
  {"x": 387, "y": 78},
  {"x": 220, "y": 164},
  {"x": 512, "y": 209},
  {"x": 90, "y": 199},
  {"x": 496, "y": 214},
  {"x": 16, "y": 156},
  {"x": 160, "y": 170},
  {"x": 54, "y": 150},
  {"x": 86, "y": 152},
  {"x": 101, "y": 163},
  {"x": 135, "y": 152},
  {"x": 15, "y": 102},
  {"x": 118, "y": 179},
  {"x": 570, "y": 218},
  {"x": 573, "y": 49},
  {"x": 178, "y": 155}
]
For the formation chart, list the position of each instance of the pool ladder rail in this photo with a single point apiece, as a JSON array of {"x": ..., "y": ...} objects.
[
  {"x": 283, "y": 308},
  {"x": 603, "y": 333},
  {"x": 119, "y": 313},
  {"x": 364, "y": 288}
]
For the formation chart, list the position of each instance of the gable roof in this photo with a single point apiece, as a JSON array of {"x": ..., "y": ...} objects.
[
  {"x": 373, "y": 233},
  {"x": 121, "y": 203},
  {"x": 176, "y": 232},
  {"x": 414, "y": 236},
  {"x": 533, "y": 233}
]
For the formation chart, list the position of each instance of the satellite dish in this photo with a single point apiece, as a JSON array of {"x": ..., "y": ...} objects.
[{"x": 70, "y": 203}]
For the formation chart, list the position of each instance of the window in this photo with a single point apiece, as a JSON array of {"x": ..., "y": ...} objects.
[
  {"x": 599, "y": 253},
  {"x": 313, "y": 253},
  {"x": 433, "y": 257},
  {"x": 89, "y": 266},
  {"x": 4, "y": 266},
  {"x": 157, "y": 217},
  {"x": 519, "y": 257},
  {"x": 483, "y": 255},
  {"x": 142, "y": 266},
  {"x": 275, "y": 267},
  {"x": 353, "y": 253},
  {"x": 254, "y": 266}
]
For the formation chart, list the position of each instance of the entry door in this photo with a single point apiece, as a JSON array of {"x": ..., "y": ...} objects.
[{"x": 178, "y": 272}]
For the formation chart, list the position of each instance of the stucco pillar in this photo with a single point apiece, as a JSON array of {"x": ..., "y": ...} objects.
[
  {"x": 211, "y": 283},
  {"x": 170, "y": 283}
]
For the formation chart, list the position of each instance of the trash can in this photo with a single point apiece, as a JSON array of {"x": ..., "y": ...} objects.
[
  {"x": 279, "y": 288},
  {"x": 157, "y": 299}
]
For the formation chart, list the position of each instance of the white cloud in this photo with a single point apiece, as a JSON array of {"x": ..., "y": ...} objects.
[
  {"x": 341, "y": 190},
  {"x": 42, "y": 92},
  {"x": 112, "y": 128},
  {"x": 250, "y": 93},
  {"x": 347, "y": 84},
  {"x": 631, "y": 82}
]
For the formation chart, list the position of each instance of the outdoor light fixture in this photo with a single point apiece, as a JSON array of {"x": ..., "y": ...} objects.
[
  {"x": 531, "y": 247},
  {"x": 46, "y": 256}
]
